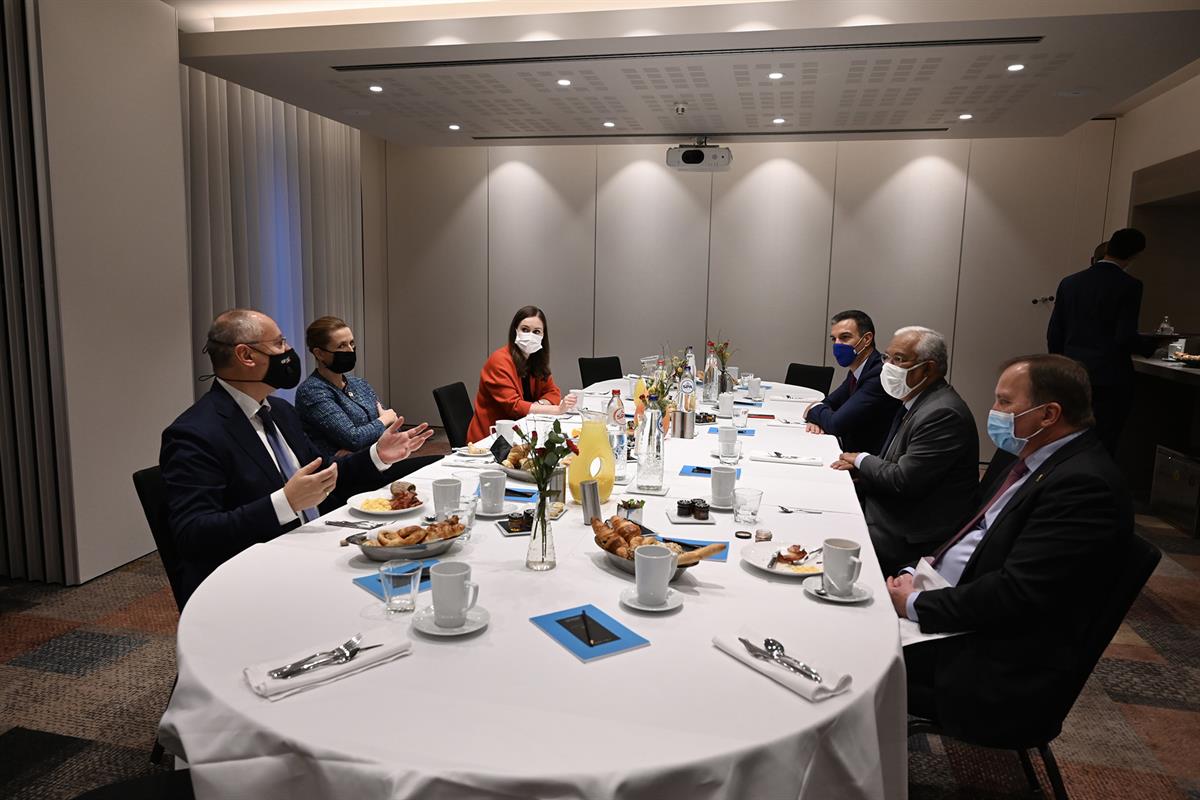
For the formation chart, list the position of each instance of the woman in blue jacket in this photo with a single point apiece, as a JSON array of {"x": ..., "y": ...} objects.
[{"x": 341, "y": 412}]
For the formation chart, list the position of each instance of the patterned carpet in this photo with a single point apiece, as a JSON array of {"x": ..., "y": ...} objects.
[{"x": 85, "y": 673}]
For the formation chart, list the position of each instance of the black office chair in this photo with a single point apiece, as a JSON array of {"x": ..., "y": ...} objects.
[
  {"x": 604, "y": 368},
  {"x": 455, "y": 407},
  {"x": 173, "y": 785},
  {"x": 1143, "y": 557},
  {"x": 810, "y": 376}
]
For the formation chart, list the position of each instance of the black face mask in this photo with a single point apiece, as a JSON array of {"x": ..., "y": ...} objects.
[
  {"x": 283, "y": 369},
  {"x": 343, "y": 360}
]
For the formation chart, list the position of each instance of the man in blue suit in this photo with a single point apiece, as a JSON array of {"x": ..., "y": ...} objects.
[
  {"x": 858, "y": 412},
  {"x": 237, "y": 465}
]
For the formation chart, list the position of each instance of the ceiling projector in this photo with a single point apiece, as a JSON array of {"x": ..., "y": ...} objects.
[{"x": 699, "y": 158}]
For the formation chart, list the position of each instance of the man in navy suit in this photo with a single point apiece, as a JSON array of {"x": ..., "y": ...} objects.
[
  {"x": 238, "y": 467},
  {"x": 1095, "y": 322},
  {"x": 858, "y": 412}
]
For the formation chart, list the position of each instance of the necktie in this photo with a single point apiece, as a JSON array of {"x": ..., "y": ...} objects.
[
  {"x": 1018, "y": 471},
  {"x": 853, "y": 381},
  {"x": 897, "y": 421},
  {"x": 281, "y": 458}
]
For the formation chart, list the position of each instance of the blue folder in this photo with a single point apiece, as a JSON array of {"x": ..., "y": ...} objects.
[
  {"x": 741, "y": 431},
  {"x": 626, "y": 639},
  {"x": 373, "y": 585},
  {"x": 690, "y": 472}
]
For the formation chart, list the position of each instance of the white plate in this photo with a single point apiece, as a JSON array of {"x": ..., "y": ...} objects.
[
  {"x": 813, "y": 583},
  {"x": 477, "y": 619},
  {"x": 758, "y": 555},
  {"x": 504, "y": 512},
  {"x": 674, "y": 600},
  {"x": 678, "y": 520},
  {"x": 356, "y": 501},
  {"x": 465, "y": 453}
]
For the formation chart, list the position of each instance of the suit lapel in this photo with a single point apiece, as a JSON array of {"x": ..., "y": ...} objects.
[
  {"x": 1027, "y": 488},
  {"x": 910, "y": 415},
  {"x": 242, "y": 432}
]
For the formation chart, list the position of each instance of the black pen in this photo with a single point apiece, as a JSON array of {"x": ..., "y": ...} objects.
[
  {"x": 519, "y": 493},
  {"x": 587, "y": 630}
]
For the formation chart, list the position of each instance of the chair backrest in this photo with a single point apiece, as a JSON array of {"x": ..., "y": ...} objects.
[
  {"x": 810, "y": 376},
  {"x": 152, "y": 492},
  {"x": 454, "y": 406},
  {"x": 603, "y": 368}
]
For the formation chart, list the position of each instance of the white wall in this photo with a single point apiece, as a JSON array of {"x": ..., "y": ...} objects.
[
  {"x": 955, "y": 235},
  {"x": 110, "y": 74}
]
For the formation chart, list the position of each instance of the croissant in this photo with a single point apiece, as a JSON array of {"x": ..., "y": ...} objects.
[{"x": 694, "y": 556}]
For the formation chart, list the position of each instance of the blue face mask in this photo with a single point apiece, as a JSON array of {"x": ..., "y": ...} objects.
[
  {"x": 1001, "y": 427},
  {"x": 844, "y": 354}
]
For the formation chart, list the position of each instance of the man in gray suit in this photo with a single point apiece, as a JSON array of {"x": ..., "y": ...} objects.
[{"x": 923, "y": 485}]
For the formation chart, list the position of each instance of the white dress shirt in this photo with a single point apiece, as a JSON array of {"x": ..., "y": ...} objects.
[
  {"x": 250, "y": 407},
  {"x": 955, "y": 559}
]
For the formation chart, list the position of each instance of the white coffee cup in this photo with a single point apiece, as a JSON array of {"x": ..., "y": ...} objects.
[
  {"x": 755, "y": 387},
  {"x": 842, "y": 566},
  {"x": 723, "y": 481},
  {"x": 726, "y": 434},
  {"x": 725, "y": 404},
  {"x": 453, "y": 593},
  {"x": 504, "y": 427},
  {"x": 653, "y": 567},
  {"x": 491, "y": 491},
  {"x": 446, "y": 492}
]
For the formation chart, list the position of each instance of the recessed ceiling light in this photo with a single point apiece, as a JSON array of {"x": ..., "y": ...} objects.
[
  {"x": 774, "y": 75},
  {"x": 1015, "y": 67},
  {"x": 965, "y": 116},
  {"x": 563, "y": 82},
  {"x": 454, "y": 126},
  {"x": 375, "y": 87},
  {"x": 779, "y": 120},
  {"x": 610, "y": 124}
]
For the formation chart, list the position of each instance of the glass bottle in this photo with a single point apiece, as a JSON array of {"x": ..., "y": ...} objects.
[
  {"x": 650, "y": 448},
  {"x": 712, "y": 372},
  {"x": 1165, "y": 327},
  {"x": 687, "y": 390},
  {"x": 616, "y": 434}
]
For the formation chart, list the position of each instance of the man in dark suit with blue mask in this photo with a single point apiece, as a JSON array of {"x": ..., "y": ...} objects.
[
  {"x": 858, "y": 412},
  {"x": 238, "y": 467}
]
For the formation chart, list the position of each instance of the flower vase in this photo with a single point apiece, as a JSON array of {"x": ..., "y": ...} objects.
[
  {"x": 540, "y": 555},
  {"x": 727, "y": 383}
]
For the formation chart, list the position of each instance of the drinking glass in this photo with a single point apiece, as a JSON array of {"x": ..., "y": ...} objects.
[
  {"x": 401, "y": 580},
  {"x": 745, "y": 504},
  {"x": 466, "y": 515},
  {"x": 730, "y": 452},
  {"x": 740, "y": 416}
]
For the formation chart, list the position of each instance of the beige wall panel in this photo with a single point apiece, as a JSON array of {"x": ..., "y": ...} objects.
[
  {"x": 771, "y": 232},
  {"x": 897, "y": 231},
  {"x": 651, "y": 254},
  {"x": 115, "y": 155},
  {"x": 1033, "y": 215},
  {"x": 542, "y": 247},
  {"x": 373, "y": 361},
  {"x": 437, "y": 273}
]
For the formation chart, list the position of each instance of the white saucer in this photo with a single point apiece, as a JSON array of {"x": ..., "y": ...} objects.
[
  {"x": 504, "y": 512},
  {"x": 477, "y": 619},
  {"x": 674, "y": 600},
  {"x": 714, "y": 506},
  {"x": 812, "y": 584},
  {"x": 633, "y": 489}
]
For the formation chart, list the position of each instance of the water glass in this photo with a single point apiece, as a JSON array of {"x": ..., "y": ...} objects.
[
  {"x": 466, "y": 515},
  {"x": 740, "y": 416},
  {"x": 401, "y": 580},
  {"x": 730, "y": 452},
  {"x": 733, "y": 373},
  {"x": 745, "y": 504}
]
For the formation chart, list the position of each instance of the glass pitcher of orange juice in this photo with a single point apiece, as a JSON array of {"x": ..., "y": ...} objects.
[{"x": 595, "y": 459}]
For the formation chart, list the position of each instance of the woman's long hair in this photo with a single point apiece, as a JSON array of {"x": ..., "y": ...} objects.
[{"x": 538, "y": 364}]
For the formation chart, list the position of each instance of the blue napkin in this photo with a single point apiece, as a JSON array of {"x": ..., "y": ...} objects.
[
  {"x": 740, "y": 431},
  {"x": 721, "y": 556},
  {"x": 373, "y": 584},
  {"x": 690, "y": 471}
]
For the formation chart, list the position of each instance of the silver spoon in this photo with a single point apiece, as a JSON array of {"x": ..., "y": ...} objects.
[
  {"x": 775, "y": 648},
  {"x": 789, "y": 510}
]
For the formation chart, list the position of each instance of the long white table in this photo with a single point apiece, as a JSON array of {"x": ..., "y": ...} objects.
[{"x": 509, "y": 713}]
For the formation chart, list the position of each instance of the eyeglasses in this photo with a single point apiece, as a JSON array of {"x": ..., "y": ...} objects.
[{"x": 897, "y": 360}]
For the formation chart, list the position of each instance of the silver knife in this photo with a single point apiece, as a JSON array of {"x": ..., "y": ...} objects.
[
  {"x": 763, "y": 655},
  {"x": 337, "y": 659}
]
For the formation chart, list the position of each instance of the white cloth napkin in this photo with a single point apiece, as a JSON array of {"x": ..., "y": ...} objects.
[
  {"x": 474, "y": 463},
  {"x": 786, "y": 423},
  {"x": 395, "y": 644},
  {"x": 802, "y": 461},
  {"x": 832, "y": 683},
  {"x": 791, "y": 398}
]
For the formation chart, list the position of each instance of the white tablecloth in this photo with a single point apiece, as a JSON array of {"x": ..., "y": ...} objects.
[{"x": 509, "y": 713}]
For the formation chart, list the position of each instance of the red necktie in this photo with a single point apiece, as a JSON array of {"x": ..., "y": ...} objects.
[
  {"x": 853, "y": 381},
  {"x": 1018, "y": 471}
]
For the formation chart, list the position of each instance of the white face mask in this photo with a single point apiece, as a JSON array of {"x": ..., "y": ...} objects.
[
  {"x": 894, "y": 380},
  {"x": 529, "y": 343}
]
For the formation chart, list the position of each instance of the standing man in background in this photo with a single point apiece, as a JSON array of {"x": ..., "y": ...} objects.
[{"x": 1095, "y": 322}]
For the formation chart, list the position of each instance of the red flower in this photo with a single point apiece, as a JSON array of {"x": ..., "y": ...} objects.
[
  {"x": 533, "y": 437},
  {"x": 517, "y": 430},
  {"x": 574, "y": 448},
  {"x": 711, "y": 343},
  {"x": 539, "y": 452}
]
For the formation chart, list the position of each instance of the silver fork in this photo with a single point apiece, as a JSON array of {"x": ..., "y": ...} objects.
[{"x": 287, "y": 670}]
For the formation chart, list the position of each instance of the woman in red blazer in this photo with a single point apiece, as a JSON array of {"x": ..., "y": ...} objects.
[{"x": 515, "y": 380}]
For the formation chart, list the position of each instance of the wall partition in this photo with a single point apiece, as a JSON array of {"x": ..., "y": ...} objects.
[{"x": 627, "y": 255}]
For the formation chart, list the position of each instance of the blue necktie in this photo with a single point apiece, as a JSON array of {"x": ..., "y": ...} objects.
[{"x": 281, "y": 458}]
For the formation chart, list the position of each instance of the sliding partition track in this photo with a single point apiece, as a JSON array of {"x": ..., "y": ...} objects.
[{"x": 33, "y": 540}]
